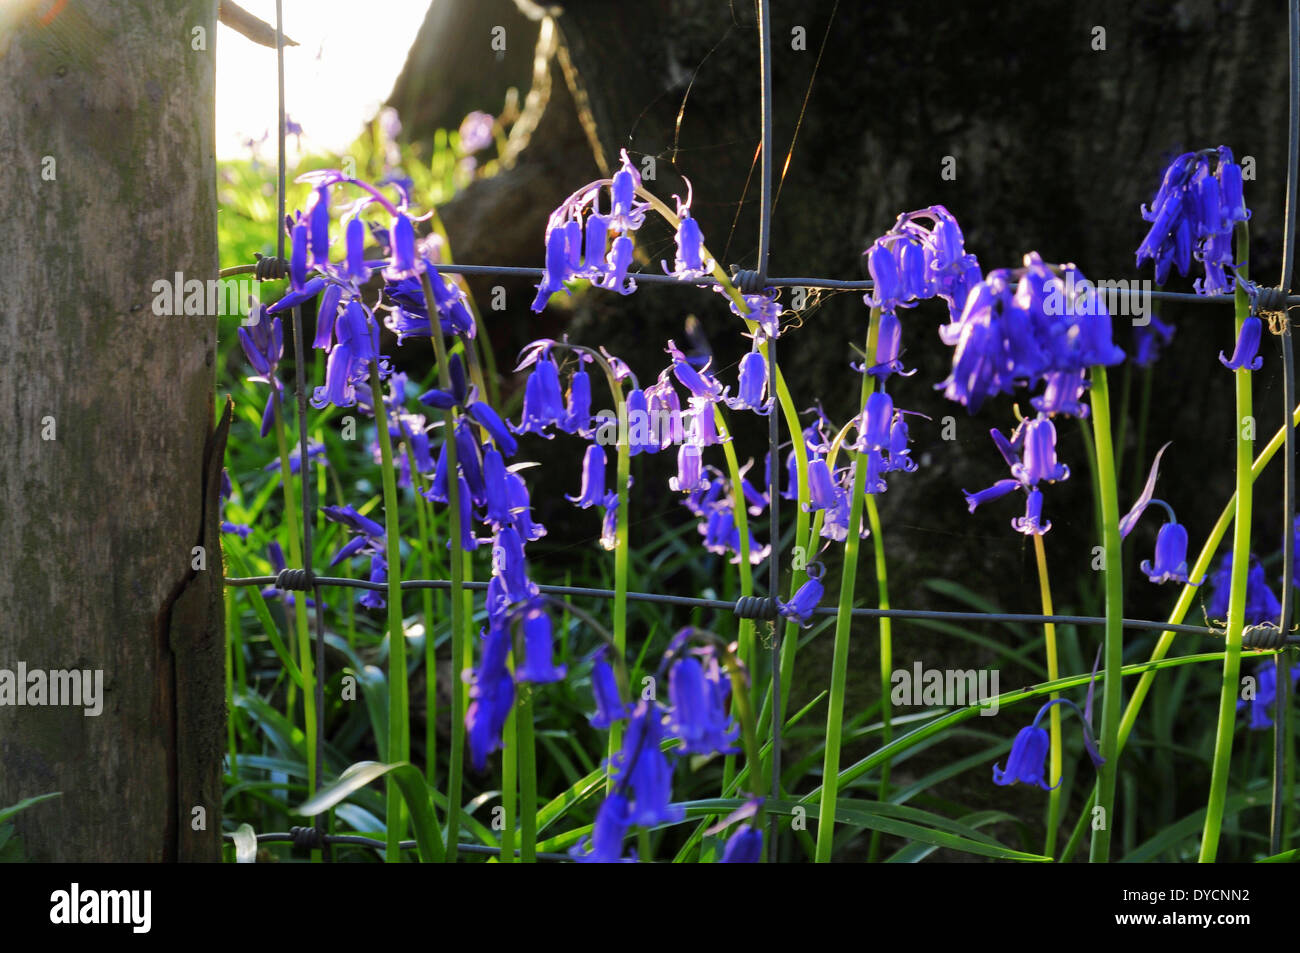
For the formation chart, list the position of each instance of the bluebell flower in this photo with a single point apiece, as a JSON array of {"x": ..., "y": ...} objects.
[
  {"x": 665, "y": 409},
  {"x": 702, "y": 430},
  {"x": 491, "y": 693},
  {"x": 1019, "y": 326},
  {"x": 610, "y": 706},
  {"x": 374, "y": 598},
  {"x": 753, "y": 385},
  {"x": 1261, "y": 706},
  {"x": 1193, "y": 216},
  {"x": 914, "y": 261},
  {"x": 690, "y": 263},
  {"x": 577, "y": 411},
  {"x": 889, "y": 343},
  {"x": 1171, "y": 556},
  {"x": 521, "y": 508},
  {"x": 745, "y": 846},
  {"x": 605, "y": 845},
  {"x": 538, "y": 666},
  {"x": 543, "y": 399},
  {"x": 699, "y": 716},
  {"x": 1027, "y": 761},
  {"x": 690, "y": 471},
  {"x": 486, "y": 417},
  {"x": 1035, "y": 441},
  {"x": 642, "y": 427},
  {"x": 763, "y": 309},
  {"x": 327, "y": 312},
  {"x": 593, "y": 478},
  {"x": 609, "y": 522},
  {"x": 1246, "y": 354},
  {"x": 642, "y": 767},
  {"x": 806, "y": 598}
]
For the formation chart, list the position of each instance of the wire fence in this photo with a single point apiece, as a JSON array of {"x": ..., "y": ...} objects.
[{"x": 1279, "y": 299}]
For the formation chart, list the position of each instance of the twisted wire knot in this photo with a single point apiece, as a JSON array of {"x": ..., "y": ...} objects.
[
  {"x": 747, "y": 281},
  {"x": 293, "y": 580},
  {"x": 1265, "y": 636},
  {"x": 755, "y": 607},
  {"x": 306, "y": 838},
  {"x": 269, "y": 268}
]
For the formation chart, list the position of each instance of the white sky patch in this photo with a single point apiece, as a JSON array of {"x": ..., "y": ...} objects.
[{"x": 335, "y": 80}]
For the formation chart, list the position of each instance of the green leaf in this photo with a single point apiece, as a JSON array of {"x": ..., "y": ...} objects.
[
  {"x": 415, "y": 791},
  {"x": 9, "y": 812}
]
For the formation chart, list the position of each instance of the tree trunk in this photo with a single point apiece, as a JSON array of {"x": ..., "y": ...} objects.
[{"x": 111, "y": 469}]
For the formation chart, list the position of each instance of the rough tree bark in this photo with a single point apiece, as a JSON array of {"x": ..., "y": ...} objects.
[{"x": 110, "y": 466}]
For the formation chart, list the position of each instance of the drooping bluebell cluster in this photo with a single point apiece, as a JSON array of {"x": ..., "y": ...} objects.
[
  {"x": 1019, "y": 327},
  {"x": 1030, "y": 454},
  {"x": 1192, "y": 217},
  {"x": 584, "y": 241},
  {"x": 642, "y": 769},
  {"x": 914, "y": 261}
]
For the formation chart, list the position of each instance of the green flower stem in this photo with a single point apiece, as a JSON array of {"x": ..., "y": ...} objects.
[
  {"x": 399, "y": 726},
  {"x": 509, "y": 782},
  {"x": 622, "y": 549},
  {"x": 886, "y": 659},
  {"x": 305, "y": 660},
  {"x": 1240, "y": 568},
  {"x": 527, "y": 779},
  {"x": 456, "y": 767},
  {"x": 745, "y": 630},
  {"x": 1114, "y": 650},
  {"x": 1053, "y": 673},
  {"x": 843, "y": 627}
]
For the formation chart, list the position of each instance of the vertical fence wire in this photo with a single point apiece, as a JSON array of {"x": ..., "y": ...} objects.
[
  {"x": 773, "y": 421},
  {"x": 1282, "y": 682}
]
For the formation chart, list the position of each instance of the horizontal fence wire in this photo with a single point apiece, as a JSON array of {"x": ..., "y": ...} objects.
[
  {"x": 827, "y": 284},
  {"x": 723, "y": 605}
]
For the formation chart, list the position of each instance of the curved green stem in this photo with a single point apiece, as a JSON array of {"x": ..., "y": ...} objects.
[{"x": 1053, "y": 673}]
